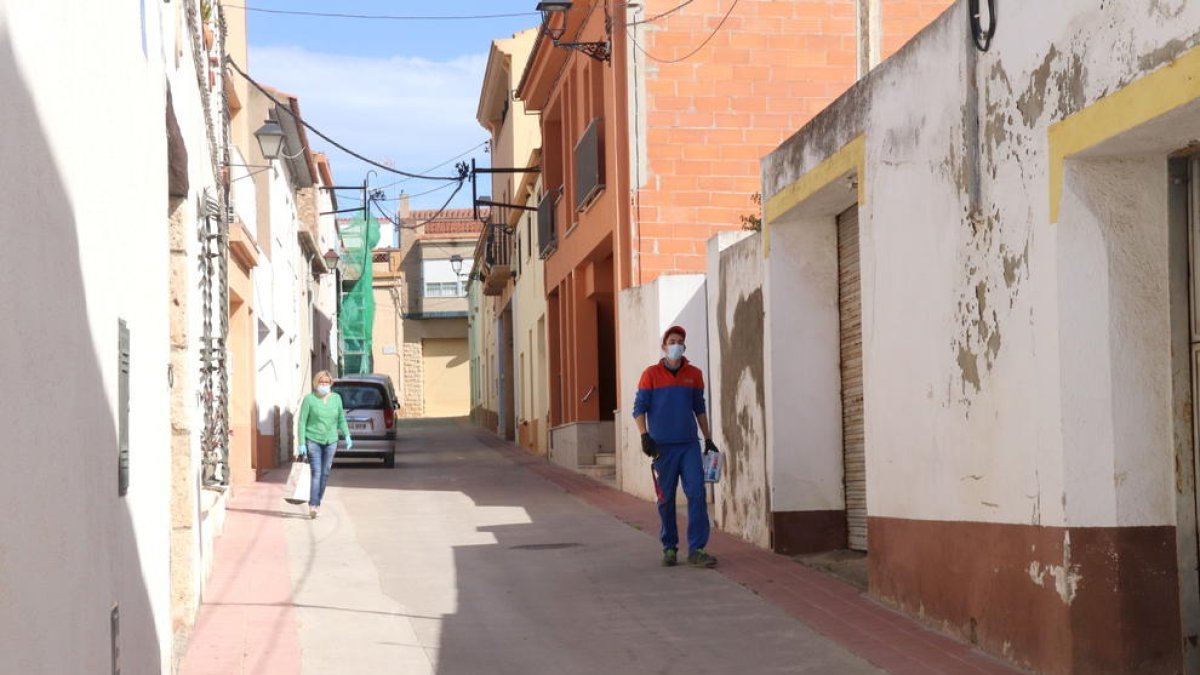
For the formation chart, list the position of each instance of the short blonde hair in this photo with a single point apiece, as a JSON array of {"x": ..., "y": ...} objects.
[{"x": 323, "y": 375}]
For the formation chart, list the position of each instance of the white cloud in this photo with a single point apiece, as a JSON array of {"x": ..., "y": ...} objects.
[{"x": 411, "y": 111}]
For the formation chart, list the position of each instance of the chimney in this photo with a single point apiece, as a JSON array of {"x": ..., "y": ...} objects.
[{"x": 405, "y": 212}]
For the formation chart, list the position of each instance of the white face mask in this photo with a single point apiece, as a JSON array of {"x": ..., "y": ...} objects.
[
  {"x": 322, "y": 389},
  {"x": 674, "y": 352}
]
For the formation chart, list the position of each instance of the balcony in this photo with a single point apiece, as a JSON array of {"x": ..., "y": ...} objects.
[
  {"x": 547, "y": 232},
  {"x": 497, "y": 260}
]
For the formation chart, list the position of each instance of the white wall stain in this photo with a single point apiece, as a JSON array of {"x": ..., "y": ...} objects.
[{"x": 1066, "y": 576}]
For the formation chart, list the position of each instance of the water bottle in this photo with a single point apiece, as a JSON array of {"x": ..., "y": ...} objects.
[{"x": 712, "y": 462}]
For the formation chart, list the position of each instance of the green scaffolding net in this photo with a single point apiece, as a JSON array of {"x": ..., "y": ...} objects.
[{"x": 356, "y": 318}]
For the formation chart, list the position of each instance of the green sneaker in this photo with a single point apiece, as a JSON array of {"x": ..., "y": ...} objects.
[
  {"x": 670, "y": 557},
  {"x": 701, "y": 558}
]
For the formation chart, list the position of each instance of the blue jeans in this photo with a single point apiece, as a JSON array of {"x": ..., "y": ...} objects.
[
  {"x": 681, "y": 461},
  {"x": 320, "y": 461}
]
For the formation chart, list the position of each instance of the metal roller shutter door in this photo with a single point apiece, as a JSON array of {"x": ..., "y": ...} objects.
[{"x": 853, "y": 436}]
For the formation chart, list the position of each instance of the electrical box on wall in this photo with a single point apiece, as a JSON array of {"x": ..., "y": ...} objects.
[{"x": 122, "y": 408}]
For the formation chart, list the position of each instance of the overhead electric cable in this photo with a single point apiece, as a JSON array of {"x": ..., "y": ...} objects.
[
  {"x": 432, "y": 218},
  {"x": 660, "y": 15},
  {"x": 694, "y": 51},
  {"x": 438, "y": 166},
  {"x": 233, "y": 64},
  {"x": 388, "y": 17},
  {"x": 436, "y": 189}
]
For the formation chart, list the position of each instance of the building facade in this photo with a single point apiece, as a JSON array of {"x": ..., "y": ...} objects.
[
  {"x": 507, "y": 281},
  {"x": 652, "y": 128},
  {"x": 1005, "y": 259},
  {"x": 112, "y": 216},
  {"x": 420, "y": 327}
]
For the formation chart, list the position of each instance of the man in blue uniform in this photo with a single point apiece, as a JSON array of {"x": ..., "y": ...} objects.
[{"x": 668, "y": 406}]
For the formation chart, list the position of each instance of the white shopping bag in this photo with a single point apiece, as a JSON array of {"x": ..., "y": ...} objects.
[{"x": 299, "y": 483}]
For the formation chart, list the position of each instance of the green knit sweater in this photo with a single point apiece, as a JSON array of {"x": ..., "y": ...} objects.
[{"x": 320, "y": 419}]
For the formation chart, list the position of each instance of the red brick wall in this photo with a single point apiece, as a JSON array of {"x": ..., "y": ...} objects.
[
  {"x": 712, "y": 117},
  {"x": 902, "y": 19}
]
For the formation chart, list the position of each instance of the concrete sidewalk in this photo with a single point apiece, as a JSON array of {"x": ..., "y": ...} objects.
[
  {"x": 247, "y": 623},
  {"x": 474, "y": 557}
]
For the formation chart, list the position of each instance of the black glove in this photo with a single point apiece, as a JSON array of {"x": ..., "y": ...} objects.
[
  {"x": 709, "y": 446},
  {"x": 649, "y": 446}
]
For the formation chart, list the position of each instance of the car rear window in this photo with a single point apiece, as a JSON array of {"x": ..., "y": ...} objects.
[{"x": 359, "y": 396}]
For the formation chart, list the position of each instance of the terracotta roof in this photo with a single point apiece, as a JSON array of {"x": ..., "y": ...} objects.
[{"x": 449, "y": 222}]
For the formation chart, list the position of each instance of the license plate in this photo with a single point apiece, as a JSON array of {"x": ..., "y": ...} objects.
[{"x": 359, "y": 426}]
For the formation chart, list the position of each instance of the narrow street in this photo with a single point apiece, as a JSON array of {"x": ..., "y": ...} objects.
[{"x": 466, "y": 559}]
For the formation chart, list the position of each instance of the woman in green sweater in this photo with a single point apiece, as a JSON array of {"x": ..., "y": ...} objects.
[{"x": 321, "y": 416}]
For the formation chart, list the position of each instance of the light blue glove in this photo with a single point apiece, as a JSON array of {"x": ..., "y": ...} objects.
[
  {"x": 302, "y": 450},
  {"x": 349, "y": 442}
]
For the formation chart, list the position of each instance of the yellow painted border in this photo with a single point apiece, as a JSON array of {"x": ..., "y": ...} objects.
[
  {"x": 1138, "y": 102},
  {"x": 850, "y": 158}
]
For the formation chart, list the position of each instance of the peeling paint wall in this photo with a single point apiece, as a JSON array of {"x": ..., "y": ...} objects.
[
  {"x": 968, "y": 370},
  {"x": 737, "y": 384},
  {"x": 1016, "y": 320}
]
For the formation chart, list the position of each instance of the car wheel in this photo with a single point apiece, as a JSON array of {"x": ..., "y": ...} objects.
[{"x": 389, "y": 462}]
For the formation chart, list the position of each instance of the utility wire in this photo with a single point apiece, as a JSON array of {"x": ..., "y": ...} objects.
[
  {"x": 233, "y": 64},
  {"x": 438, "y": 166},
  {"x": 694, "y": 51},
  {"x": 660, "y": 15},
  {"x": 432, "y": 218},
  {"x": 392, "y": 17},
  {"x": 422, "y": 194}
]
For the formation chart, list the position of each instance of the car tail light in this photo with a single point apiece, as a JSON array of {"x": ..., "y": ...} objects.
[{"x": 389, "y": 417}]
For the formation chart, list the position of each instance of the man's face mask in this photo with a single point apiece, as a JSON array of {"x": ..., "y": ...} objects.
[{"x": 675, "y": 352}]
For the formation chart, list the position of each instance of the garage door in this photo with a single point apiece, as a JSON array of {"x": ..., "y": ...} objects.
[
  {"x": 853, "y": 437},
  {"x": 447, "y": 377}
]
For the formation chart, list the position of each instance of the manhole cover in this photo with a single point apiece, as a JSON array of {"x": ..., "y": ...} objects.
[{"x": 546, "y": 547}]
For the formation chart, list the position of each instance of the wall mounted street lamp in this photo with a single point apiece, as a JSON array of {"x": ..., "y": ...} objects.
[
  {"x": 601, "y": 51},
  {"x": 456, "y": 262},
  {"x": 270, "y": 140},
  {"x": 331, "y": 260}
]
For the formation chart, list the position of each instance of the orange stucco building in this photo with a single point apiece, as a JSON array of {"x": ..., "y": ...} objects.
[{"x": 654, "y": 119}]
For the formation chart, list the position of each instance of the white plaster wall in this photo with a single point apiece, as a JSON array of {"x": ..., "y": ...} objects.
[
  {"x": 1117, "y": 423},
  {"x": 83, "y": 212},
  {"x": 803, "y": 376},
  {"x": 1016, "y": 370},
  {"x": 644, "y": 314}
]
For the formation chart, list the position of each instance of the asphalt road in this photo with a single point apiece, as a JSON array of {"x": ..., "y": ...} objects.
[{"x": 459, "y": 561}]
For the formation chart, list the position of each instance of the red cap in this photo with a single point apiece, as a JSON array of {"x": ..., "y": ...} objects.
[{"x": 678, "y": 330}]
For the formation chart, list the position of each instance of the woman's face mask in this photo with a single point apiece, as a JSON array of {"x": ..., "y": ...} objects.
[
  {"x": 675, "y": 352},
  {"x": 322, "y": 389}
]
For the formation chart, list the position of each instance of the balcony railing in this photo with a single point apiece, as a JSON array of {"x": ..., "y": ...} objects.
[
  {"x": 547, "y": 232},
  {"x": 497, "y": 259}
]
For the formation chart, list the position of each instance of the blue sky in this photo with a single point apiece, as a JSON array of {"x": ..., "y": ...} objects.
[{"x": 403, "y": 92}]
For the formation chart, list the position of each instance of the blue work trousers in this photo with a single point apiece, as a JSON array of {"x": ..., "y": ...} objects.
[
  {"x": 320, "y": 461},
  {"x": 681, "y": 461}
]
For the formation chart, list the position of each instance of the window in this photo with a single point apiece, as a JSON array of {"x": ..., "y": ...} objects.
[
  {"x": 441, "y": 281},
  {"x": 444, "y": 289},
  {"x": 361, "y": 396}
]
